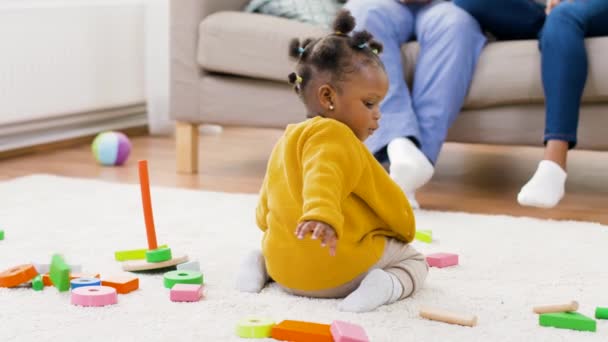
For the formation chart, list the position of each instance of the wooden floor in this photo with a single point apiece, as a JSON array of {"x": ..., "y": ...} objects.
[{"x": 470, "y": 178}]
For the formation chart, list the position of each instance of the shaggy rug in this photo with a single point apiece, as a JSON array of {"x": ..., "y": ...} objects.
[{"x": 507, "y": 266}]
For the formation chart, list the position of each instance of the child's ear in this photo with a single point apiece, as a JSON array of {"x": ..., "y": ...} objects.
[{"x": 327, "y": 97}]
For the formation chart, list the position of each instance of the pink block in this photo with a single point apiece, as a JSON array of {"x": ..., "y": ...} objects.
[
  {"x": 347, "y": 332},
  {"x": 186, "y": 292},
  {"x": 442, "y": 259},
  {"x": 94, "y": 296}
]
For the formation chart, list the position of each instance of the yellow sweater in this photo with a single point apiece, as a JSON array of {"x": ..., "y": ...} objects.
[{"x": 319, "y": 170}]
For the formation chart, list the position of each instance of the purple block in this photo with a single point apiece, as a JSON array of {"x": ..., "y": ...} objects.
[
  {"x": 347, "y": 332},
  {"x": 442, "y": 260}
]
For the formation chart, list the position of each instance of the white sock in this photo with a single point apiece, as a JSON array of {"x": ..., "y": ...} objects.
[
  {"x": 377, "y": 288},
  {"x": 409, "y": 166},
  {"x": 411, "y": 197},
  {"x": 252, "y": 275},
  {"x": 546, "y": 188}
]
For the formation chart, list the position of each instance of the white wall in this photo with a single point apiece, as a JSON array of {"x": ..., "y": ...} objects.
[{"x": 59, "y": 57}]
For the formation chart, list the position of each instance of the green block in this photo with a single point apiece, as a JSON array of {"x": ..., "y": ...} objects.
[
  {"x": 424, "y": 236},
  {"x": 567, "y": 320},
  {"x": 182, "y": 277},
  {"x": 601, "y": 313},
  {"x": 60, "y": 273},
  {"x": 1, "y": 234},
  {"x": 37, "y": 283},
  {"x": 158, "y": 255},
  {"x": 254, "y": 328},
  {"x": 134, "y": 254}
]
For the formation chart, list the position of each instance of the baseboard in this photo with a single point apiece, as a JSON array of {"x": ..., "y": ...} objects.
[{"x": 42, "y": 131}]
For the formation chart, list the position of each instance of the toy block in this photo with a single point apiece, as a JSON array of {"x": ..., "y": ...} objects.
[
  {"x": 254, "y": 328},
  {"x": 84, "y": 275},
  {"x": 192, "y": 266},
  {"x": 60, "y": 273},
  {"x": 122, "y": 283},
  {"x": 347, "y": 332},
  {"x": 186, "y": 293},
  {"x": 146, "y": 199},
  {"x": 567, "y": 320},
  {"x": 298, "y": 331},
  {"x": 182, "y": 277},
  {"x": 442, "y": 260},
  {"x": 1, "y": 234},
  {"x": 94, "y": 296},
  {"x": 81, "y": 282},
  {"x": 37, "y": 283},
  {"x": 572, "y": 306},
  {"x": 448, "y": 317},
  {"x": 143, "y": 265},
  {"x": 601, "y": 313},
  {"x": 424, "y": 236},
  {"x": 133, "y": 254},
  {"x": 158, "y": 255},
  {"x": 17, "y": 275}
]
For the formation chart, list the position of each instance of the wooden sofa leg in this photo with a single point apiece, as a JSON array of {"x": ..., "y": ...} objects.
[{"x": 186, "y": 145}]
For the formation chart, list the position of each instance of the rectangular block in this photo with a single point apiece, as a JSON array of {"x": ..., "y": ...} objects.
[
  {"x": 1, "y": 234},
  {"x": 186, "y": 293},
  {"x": 298, "y": 331},
  {"x": 60, "y": 273},
  {"x": 133, "y": 254},
  {"x": 601, "y": 313},
  {"x": 348, "y": 332},
  {"x": 567, "y": 320},
  {"x": 424, "y": 236},
  {"x": 442, "y": 259},
  {"x": 192, "y": 266},
  {"x": 122, "y": 283}
]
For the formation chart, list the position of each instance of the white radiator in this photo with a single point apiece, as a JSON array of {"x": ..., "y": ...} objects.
[{"x": 69, "y": 68}]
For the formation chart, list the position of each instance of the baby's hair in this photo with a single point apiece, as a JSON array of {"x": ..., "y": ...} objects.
[{"x": 332, "y": 54}]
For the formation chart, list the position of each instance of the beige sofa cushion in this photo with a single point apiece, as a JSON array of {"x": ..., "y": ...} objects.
[{"x": 255, "y": 45}]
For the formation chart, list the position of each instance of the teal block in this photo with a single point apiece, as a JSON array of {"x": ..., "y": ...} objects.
[
  {"x": 567, "y": 320},
  {"x": 60, "y": 273}
]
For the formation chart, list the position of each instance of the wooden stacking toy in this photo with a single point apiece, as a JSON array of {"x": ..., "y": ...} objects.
[
  {"x": 297, "y": 331},
  {"x": 17, "y": 275},
  {"x": 94, "y": 296},
  {"x": 347, "y": 332},
  {"x": 155, "y": 257},
  {"x": 572, "y": 306},
  {"x": 254, "y": 328},
  {"x": 81, "y": 282},
  {"x": 122, "y": 283},
  {"x": 133, "y": 254},
  {"x": 186, "y": 293},
  {"x": 448, "y": 317},
  {"x": 442, "y": 260}
]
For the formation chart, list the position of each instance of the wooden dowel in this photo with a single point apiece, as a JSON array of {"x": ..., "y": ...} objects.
[
  {"x": 572, "y": 306},
  {"x": 144, "y": 184},
  {"x": 448, "y": 317}
]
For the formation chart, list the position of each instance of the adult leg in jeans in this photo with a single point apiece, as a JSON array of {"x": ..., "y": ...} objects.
[
  {"x": 564, "y": 73},
  {"x": 391, "y": 23},
  {"x": 450, "y": 44}
]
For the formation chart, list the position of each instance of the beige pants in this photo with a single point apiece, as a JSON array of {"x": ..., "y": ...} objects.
[{"x": 399, "y": 258}]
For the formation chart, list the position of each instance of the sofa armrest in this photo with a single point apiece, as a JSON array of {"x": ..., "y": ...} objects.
[{"x": 185, "y": 18}]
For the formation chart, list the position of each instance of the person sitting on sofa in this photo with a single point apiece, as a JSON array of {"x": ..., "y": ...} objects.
[
  {"x": 414, "y": 123},
  {"x": 561, "y": 27}
]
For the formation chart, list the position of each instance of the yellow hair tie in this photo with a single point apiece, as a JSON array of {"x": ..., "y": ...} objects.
[
  {"x": 375, "y": 51},
  {"x": 298, "y": 79},
  {"x": 339, "y": 33}
]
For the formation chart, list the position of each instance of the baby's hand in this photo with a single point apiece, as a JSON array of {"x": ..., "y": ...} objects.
[{"x": 319, "y": 230}]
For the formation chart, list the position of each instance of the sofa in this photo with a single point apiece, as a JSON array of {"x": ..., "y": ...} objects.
[{"x": 229, "y": 68}]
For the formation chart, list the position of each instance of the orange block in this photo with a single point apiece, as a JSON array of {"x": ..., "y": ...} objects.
[
  {"x": 17, "y": 275},
  {"x": 298, "y": 331},
  {"x": 122, "y": 283},
  {"x": 46, "y": 278}
]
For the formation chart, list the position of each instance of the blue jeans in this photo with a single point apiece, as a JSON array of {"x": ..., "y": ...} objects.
[
  {"x": 450, "y": 43},
  {"x": 561, "y": 38}
]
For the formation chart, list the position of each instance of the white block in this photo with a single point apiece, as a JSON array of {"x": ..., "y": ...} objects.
[{"x": 191, "y": 265}]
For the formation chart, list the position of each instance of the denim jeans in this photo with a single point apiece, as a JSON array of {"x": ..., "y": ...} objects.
[
  {"x": 563, "y": 56},
  {"x": 450, "y": 43}
]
